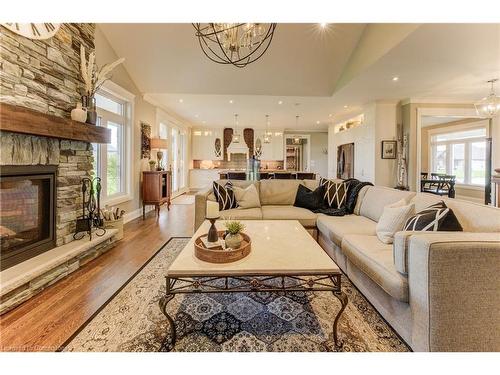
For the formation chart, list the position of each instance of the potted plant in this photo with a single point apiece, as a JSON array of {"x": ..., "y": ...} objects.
[
  {"x": 152, "y": 165},
  {"x": 233, "y": 237}
]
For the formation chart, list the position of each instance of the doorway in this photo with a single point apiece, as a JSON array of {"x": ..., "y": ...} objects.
[{"x": 297, "y": 152}]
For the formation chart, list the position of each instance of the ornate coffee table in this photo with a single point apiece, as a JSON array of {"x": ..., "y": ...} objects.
[{"x": 284, "y": 258}]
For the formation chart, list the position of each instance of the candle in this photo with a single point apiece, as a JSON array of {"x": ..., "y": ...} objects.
[{"x": 212, "y": 210}]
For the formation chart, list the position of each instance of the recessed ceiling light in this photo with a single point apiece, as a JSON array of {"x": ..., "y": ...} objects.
[
  {"x": 317, "y": 122},
  {"x": 280, "y": 102},
  {"x": 395, "y": 78},
  {"x": 346, "y": 106},
  {"x": 329, "y": 115},
  {"x": 181, "y": 100},
  {"x": 231, "y": 101}
]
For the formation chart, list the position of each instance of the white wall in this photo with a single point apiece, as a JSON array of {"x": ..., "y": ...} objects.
[{"x": 379, "y": 124}]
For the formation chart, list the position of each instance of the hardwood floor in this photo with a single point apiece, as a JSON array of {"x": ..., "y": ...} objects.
[{"x": 47, "y": 320}]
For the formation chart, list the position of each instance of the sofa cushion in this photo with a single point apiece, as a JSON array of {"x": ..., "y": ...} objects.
[
  {"x": 310, "y": 184},
  {"x": 242, "y": 214},
  {"x": 337, "y": 227},
  {"x": 437, "y": 217},
  {"x": 393, "y": 219},
  {"x": 247, "y": 197},
  {"x": 374, "y": 259},
  {"x": 224, "y": 194},
  {"x": 278, "y": 192},
  {"x": 278, "y": 212},
  {"x": 335, "y": 192},
  {"x": 309, "y": 199},
  {"x": 377, "y": 197},
  {"x": 472, "y": 217}
]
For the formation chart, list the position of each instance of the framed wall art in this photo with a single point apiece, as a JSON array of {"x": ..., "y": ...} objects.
[
  {"x": 145, "y": 141},
  {"x": 389, "y": 149}
]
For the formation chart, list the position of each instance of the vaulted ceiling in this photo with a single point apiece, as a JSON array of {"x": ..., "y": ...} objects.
[{"x": 328, "y": 71}]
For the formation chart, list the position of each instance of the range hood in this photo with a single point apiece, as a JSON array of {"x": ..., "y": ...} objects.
[{"x": 237, "y": 148}]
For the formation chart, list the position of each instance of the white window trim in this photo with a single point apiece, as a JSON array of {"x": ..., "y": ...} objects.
[
  {"x": 120, "y": 93},
  {"x": 467, "y": 149}
]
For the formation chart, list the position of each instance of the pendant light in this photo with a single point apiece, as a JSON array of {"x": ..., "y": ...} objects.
[
  {"x": 236, "y": 135},
  {"x": 267, "y": 134},
  {"x": 296, "y": 139},
  {"x": 489, "y": 106}
]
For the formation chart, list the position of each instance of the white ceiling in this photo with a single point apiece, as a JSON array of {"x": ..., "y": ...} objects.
[
  {"x": 303, "y": 60},
  {"x": 445, "y": 62}
]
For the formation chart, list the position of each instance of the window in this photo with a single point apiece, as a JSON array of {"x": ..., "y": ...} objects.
[
  {"x": 112, "y": 161},
  {"x": 460, "y": 153}
]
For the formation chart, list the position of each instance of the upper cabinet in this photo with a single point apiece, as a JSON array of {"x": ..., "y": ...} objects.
[
  {"x": 207, "y": 144},
  {"x": 272, "y": 150}
]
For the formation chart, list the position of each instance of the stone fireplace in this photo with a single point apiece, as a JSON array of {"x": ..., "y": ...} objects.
[
  {"x": 27, "y": 212},
  {"x": 23, "y": 155}
]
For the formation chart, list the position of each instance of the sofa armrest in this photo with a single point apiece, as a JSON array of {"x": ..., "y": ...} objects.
[
  {"x": 454, "y": 284},
  {"x": 400, "y": 247},
  {"x": 200, "y": 207}
]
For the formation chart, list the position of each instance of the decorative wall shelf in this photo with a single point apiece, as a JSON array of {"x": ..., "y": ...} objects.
[{"x": 18, "y": 119}]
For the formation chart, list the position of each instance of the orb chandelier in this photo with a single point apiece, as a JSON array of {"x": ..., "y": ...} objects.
[
  {"x": 489, "y": 106},
  {"x": 238, "y": 44},
  {"x": 267, "y": 134}
]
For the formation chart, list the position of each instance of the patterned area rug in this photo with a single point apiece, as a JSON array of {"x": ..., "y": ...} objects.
[{"x": 132, "y": 320}]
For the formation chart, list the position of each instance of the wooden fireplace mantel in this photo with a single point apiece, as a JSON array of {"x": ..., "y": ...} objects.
[{"x": 27, "y": 121}]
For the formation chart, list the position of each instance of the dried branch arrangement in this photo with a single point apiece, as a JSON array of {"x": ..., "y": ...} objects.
[{"x": 92, "y": 76}]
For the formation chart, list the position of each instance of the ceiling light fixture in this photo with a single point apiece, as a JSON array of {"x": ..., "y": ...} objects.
[
  {"x": 329, "y": 115},
  {"x": 346, "y": 106},
  {"x": 267, "y": 134},
  {"x": 238, "y": 44},
  {"x": 489, "y": 106},
  {"x": 181, "y": 100},
  {"x": 317, "y": 122},
  {"x": 280, "y": 102},
  {"x": 231, "y": 101},
  {"x": 236, "y": 136},
  {"x": 323, "y": 24},
  {"x": 395, "y": 78}
]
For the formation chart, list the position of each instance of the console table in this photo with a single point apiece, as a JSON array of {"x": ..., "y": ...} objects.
[{"x": 156, "y": 190}]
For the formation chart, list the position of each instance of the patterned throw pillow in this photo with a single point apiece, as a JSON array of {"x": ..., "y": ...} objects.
[
  {"x": 225, "y": 196},
  {"x": 437, "y": 217},
  {"x": 335, "y": 192}
]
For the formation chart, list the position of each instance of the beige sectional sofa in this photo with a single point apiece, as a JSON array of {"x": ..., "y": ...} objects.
[{"x": 439, "y": 290}]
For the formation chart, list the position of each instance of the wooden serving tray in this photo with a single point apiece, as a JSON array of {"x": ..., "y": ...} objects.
[{"x": 218, "y": 255}]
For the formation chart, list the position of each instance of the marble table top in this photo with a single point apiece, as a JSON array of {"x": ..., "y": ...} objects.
[{"x": 279, "y": 247}]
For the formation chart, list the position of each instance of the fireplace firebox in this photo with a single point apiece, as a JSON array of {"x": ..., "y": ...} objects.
[{"x": 27, "y": 212}]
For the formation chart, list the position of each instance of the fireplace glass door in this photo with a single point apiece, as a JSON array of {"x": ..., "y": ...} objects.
[{"x": 26, "y": 213}]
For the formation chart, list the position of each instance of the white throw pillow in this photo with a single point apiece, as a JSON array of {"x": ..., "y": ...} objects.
[
  {"x": 248, "y": 197},
  {"x": 393, "y": 219}
]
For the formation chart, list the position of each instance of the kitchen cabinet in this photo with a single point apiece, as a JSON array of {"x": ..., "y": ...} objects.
[
  {"x": 200, "y": 179},
  {"x": 272, "y": 150},
  {"x": 207, "y": 144}
]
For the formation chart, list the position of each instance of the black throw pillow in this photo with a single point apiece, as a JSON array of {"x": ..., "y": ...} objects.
[
  {"x": 225, "y": 196},
  {"x": 307, "y": 198},
  {"x": 335, "y": 195},
  {"x": 437, "y": 217}
]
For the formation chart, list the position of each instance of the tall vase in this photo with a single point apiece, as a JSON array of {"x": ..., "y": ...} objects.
[{"x": 89, "y": 103}]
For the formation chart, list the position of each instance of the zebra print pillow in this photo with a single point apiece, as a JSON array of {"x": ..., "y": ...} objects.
[
  {"x": 225, "y": 196},
  {"x": 437, "y": 217},
  {"x": 335, "y": 193}
]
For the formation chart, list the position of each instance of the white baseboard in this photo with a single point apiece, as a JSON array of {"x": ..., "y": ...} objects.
[{"x": 129, "y": 216}]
